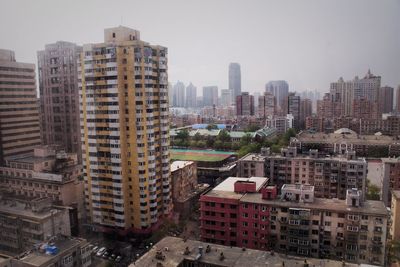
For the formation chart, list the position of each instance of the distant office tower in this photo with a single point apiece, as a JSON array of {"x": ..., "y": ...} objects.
[
  {"x": 280, "y": 89},
  {"x": 266, "y": 105},
  {"x": 305, "y": 111},
  {"x": 226, "y": 97},
  {"x": 210, "y": 96},
  {"x": 398, "y": 99},
  {"x": 235, "y": 79},
  {"x": 191, "y": 96},
  {"x": 59, "y": 96},
  {"x": 179, "y": 94},
  {"x": 365, "y": 88},
  {"x": 125, "y": 131},
  {"x": 245, "y": 104},
  {"x": 329, "y": 107},
  {"x": 385, "y": 97},
  {"x": 256, "y": 96},
  {"x": 170, "y": 94},
  {"x": 19, "y": 107},
  {"x": 294, "y": 109}
]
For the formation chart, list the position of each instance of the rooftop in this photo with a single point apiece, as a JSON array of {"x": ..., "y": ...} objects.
[
  {"x": 39, "y": 258},
  {"x": 172, "y": 249},
  {"x": 396, "y": 194},
  {"x": 253, "y": 157},
  {"x": 368, "y": 207},
  {"x": 226, "y": 189},
  {"x": 338, "y": 137},
  {"x": 180, "y": 164}
]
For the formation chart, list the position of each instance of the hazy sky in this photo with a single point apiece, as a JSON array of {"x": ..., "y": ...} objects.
[{"x": 307, "y": 43}]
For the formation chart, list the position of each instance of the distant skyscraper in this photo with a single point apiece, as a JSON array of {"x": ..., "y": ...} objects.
[
  {"x": 280, "y": 89},
  {"x": 210, "y": 95},
  {"x": 256, "y": 96},
  {"x": 226, "y": 97},
  {"x": 266, "y": 105},
  {"x": 245, "y": 104},
  {"x": 346, "y": 92},
  {"x": 398, "y": 99},
  {"x": 125, "y": 132},
  {"x": 305, "y": 111},
  {"x": 59, "y": 96},
  {"x": 235, "y": 79},
  {"x": 294, "y": 109},
  {"x": 179, "y": 94},
  {"x": 385, "y": 97},
  {"x": 191, "y": 96},
  {"x": 19, "y": 107}
]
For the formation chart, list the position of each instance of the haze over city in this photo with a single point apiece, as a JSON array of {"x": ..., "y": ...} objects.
[{"x": 307, "y": 43}]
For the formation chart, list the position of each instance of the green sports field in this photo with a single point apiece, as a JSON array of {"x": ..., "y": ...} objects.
[{"x": 200, "y": 155}]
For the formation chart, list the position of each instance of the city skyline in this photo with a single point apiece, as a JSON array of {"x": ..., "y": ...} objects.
[{"x": 324, "y": 46}]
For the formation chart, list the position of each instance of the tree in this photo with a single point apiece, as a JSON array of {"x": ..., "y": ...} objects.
[
  {"x": 224, "y": 136},
  {"x": 212, "y": 127},
  {"x": 218, "y": 144},
  {"x": 252, "y": 128},
  {"x": 394, "y": 251},
  {"x": 245, "y": 140},
  {"x": 197, "y": 137},
  {"x": 183, "y": 135},
  {"x": 373, "y": 192}
]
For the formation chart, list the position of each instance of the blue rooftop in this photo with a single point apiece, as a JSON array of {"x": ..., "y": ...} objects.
[{"x": 204, "y": 126}]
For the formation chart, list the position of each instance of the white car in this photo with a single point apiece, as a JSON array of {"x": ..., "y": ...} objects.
[{"x": 101, "y": 251}]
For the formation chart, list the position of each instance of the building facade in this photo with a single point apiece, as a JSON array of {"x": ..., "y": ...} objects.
[
  {"x": 179, "y": 94},
  {"x": 19, "y": 109},
  {"x": 279, "y": 89},
  {"x": 245, "y": 104},
  {"x": 395, "y": 216},
  {"x": 390, "y": 178},
  {"x": 235, "y": 79},
  {"x": 246, "y": 212},
  {"x": 294, "y": 109},
  {"x": 210, "y": 96},
  {"x": 59, "y": 96},
  {"x": 266, "y": 105},
  {"x": 125, "y": 132},
  {"x": 385, "y": 97},
  {"x": 191, "y": 96},
  {"x": 305, "y": 111}
]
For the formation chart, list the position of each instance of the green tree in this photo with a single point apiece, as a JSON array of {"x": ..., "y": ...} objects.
[
  {"x": 252, "y": 128},
  {"x": 197, "y": 137},
  {"x": 212, "y": 127},
  {"x": 201, "y": 144},
  {"x": 183, "y": 135},
  {"x": 373, "y": 191},
  {"x": 245, "y": 140},
  {"x": 218, "y": 144},
  {"x": 224, "y": 136},
  {"x": 394, "y": 251}
]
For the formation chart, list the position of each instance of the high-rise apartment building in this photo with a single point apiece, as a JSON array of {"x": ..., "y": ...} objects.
[
  {"x": 125, "y": 131},
  {"x": 226, "y": 97},
  {"x": 280, "y": 89},
  {"x": 235, "y": 79},
  {"x": 245, "y": 104},
  {"x": 395, "y": 216},
  {"x": 347, "y": 91},
  {"x": 191, "y": 96},
  {"x": 385, "y": 97},
  {"x": 390, "y": 178},
  {"x": 179, "y": 94},
  {"x": 305, "y": 111},
  {"x": 294, "y": 109},
  {"x": 19, "y": 109},
  {"x": 266, "y": 105},
  {"x": 398, "y": 99},
  {"x": 59, "y": 96},
  {"x": 210, "y": 96}
]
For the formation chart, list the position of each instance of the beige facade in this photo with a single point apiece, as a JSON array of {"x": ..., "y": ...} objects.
[
  {"x": 19, "y": 109},
  {"x": 123, "y": 87},
  {"x": 27, "y": 221},
  {"x": 395, "y": 216}
]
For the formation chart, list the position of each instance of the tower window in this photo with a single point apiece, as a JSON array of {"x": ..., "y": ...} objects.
[{"x": 113, "y": 34}]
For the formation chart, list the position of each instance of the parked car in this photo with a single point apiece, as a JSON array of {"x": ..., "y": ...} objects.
[
  {"x": 106, "y": 254},
  {"x": 118, "y": 259},
  {"x": 95, "y": 249},
  {"x": 101, "y": 251},
  {"x": 112, "y": 257}
]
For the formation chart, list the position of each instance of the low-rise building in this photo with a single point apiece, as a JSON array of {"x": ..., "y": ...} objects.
[
  {"x": 246, "y": 212},
  {"x": 174, "y": 252},
  {"x": 59, "y": 251},
  {"x": 27, "y": 221},
  {"x": 185, "y": 189},
  {"x": 343, "y": 140},
  {"x": 330, "y": 175}
]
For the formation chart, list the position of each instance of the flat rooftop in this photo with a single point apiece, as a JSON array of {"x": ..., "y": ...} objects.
[
  {"x": 226, "y": 189},
  {"x": 253, "y": 157},
  {"x": 200, "y": 155},
  {"x": 370, "y": 207},
  {"x": 180, "y": 164},
  {"x": 15, "y": 207},
  {"x": 36, "y": 258},
  {"x": 352, "y": 138},
  {"x": 172, "y": 248}
]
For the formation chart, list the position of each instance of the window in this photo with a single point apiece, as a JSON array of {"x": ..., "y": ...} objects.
[{"x": 327, "y": 223}]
